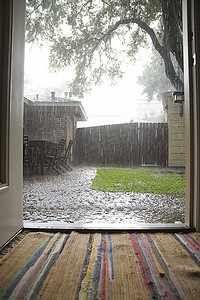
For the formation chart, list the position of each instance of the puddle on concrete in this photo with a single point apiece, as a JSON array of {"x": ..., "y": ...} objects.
[{"x": 68, "y": 198}]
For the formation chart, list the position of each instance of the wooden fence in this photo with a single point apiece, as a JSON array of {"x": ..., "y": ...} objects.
[{"x": 123, "y": 144}]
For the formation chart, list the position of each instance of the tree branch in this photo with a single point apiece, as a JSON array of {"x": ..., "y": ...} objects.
[
  {"x": 106, "y": 35},
  {"x": 35, "y": 9},
  {"x": 163, "y": 51},
  {"x": 106, "y": 3},
  {"x": 172, "y": 29},
  {"x": 165, "y": 54}
]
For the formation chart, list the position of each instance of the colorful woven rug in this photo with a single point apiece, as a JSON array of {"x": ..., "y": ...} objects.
[{"x": 102, "y": 266}]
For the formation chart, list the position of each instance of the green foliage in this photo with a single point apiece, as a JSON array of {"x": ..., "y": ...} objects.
[
  {"x": 139, "y": 181},
  {"x": 154, "y": 79},
  {"x": 155, "y": 118},
  {"x": 97, "y": 36},
  {"x": 43, "y": 19}
]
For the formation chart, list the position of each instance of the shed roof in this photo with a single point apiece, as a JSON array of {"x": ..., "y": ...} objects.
[{"x": 76, "y": 107}]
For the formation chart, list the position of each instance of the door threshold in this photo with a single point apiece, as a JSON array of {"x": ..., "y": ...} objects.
[{"x": 111, "y": 227}]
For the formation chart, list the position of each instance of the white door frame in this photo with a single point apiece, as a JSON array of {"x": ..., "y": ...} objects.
[
  {"x": 11, "y": 186},
  {"x": 191, "y": 23}
]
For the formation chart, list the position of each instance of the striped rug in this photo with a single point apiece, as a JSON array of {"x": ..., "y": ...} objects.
[{"x": 102, "y": 266}]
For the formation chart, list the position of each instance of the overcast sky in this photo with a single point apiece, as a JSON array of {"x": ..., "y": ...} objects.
[{"x": 105, "y": 105}]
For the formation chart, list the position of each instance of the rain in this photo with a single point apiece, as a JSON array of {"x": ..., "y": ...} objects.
[{"x": 135, "y": 123}]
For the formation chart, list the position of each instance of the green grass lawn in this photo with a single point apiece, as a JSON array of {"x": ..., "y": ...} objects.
[{"x": 139, "y": 181}]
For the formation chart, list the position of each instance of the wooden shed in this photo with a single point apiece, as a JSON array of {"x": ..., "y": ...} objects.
[{"x": 176, "y": 130}]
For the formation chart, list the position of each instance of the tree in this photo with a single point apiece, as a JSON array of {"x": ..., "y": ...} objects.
[
  {"x": 155, "y": 118},
  {"x": 153, "y": 78},
  {"x": 84, "y": 33}
]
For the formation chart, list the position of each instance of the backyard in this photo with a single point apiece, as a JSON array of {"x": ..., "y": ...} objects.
[{"x": 88, "y": 194}]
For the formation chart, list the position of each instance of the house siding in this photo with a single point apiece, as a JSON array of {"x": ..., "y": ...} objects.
[{"x": 176, "y": 132}]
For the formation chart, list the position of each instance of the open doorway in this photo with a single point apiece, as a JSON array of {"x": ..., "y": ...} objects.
[{"x": 121, "y": 107}]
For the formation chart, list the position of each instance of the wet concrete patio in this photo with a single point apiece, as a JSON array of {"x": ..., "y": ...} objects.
[{"x": 68, "y": 199}]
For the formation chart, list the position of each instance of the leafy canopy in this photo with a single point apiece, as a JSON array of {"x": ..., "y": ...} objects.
[{"x": 96, "y": 36}]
